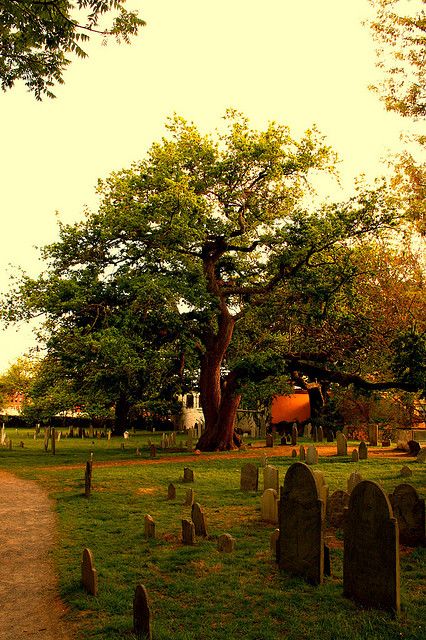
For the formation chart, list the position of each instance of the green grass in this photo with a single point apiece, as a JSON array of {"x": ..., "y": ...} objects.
[{"x": 196, "y": 592}]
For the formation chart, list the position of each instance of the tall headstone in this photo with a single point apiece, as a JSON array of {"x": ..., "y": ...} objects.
[
  {"x": 320, "y": 434},
  {"x": 301, "y": 539},
  {"x": 269, "y": 506},
  {"x": 271, "y": 478},
  {"x": 53, "y": 437},
  {"x": 315, "y": 434},
  {"x": 362, "y": 451},
  {"x": 188, "y": 532},
  {"x": 294, "y": 435},
  {"x": 409, "y": 511},
  {"x": 188, "y": 475},
  {"x": 199, "y": 520},
  {"x": 354, "y": 479},
  {"x": 302, "y": 454},
  {"x": 311, "y": 455},
  {"x": 249, "y": 480},
  {"x": 342, "y": 444},
  {"x": 149, "y": 526},
  {"x": 307, "y": 431},
  {"x": 141, "y": 614},
  {"x": 371, "y": 549},
  {"x": 171, "y": 491},
  {"x": 336, "y": 505},
  {"x": 373, "y": 435},
  {"x": 89, "y": 575}
]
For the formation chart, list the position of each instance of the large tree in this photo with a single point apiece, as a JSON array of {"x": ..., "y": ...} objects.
[
  {"x": 37, "y": 36},
  {"x": 222, "y": 225}
]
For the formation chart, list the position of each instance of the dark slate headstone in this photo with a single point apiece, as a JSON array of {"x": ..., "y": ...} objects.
[
  {"x": 414, "y": 447},
  {"x": 188, "y": 475},
  {"x": 89, "y": 575},
  {"x": 283, "y": 440},
  {"x": 249, "y": 477},
  {"x": 188, "y": 532},
  {"x": 336, "y": 508},
  {"x": 300, "y": 549},
  {"x": 362, "y": 451},
  {"x": 330, "y": 436},
  {"x": 409, "y": 510},
  {"x": 171, "y": 492},
  {"x": 371, "y": 549},
  {"x": 141, "y": 614},
  {"x": 269, "y": 440},
  {"x": 199, "y": 520}
]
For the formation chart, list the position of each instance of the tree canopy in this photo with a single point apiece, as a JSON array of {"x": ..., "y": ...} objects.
[{"x": 36, "y": 37}]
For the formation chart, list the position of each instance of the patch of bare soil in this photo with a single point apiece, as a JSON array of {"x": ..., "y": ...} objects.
[{"x": 29, "y": 603}]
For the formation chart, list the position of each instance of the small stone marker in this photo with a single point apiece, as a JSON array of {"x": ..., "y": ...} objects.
[
  {"x": 171, "y": 492},
  {"x": 336, "y": 508},
  {"x": 269, "y": 440},
  {"x": 141, "y": 614},
  {"x": 405, "y": 472},
  {"x": 189, "y": 498},
  {"x": 362, "y": 451},
  {"x": 342, "y": 444},
  {"x": 199, "y": 520},
  {"x": 249, "y": 477},
  {"x": 226, "y": 543},
  {"x": 149, "y": 526},
  {"x": 302, "y": 454},
  {"x": 320, "y": 434},
  {"x": 294, "y": 453},
  {"x": 89, "y": 575},
  {"x": 152, "y": 451},
  {"x": 311, "y": 455},
  {"x": 373, "y": 435},
  {"x": 271, "y": 478},
  {"x": 294, "y": 435},
  {"x": 355, "y": 455},
  {"x": 188, "y": 532},
  {"x": 386, "y": 443},
  {"x": 409, "y": 510},
  {"x": 88, "y": 479},
  {"x": 371, "y": 549},
  {"x": 188, "y": 475},
  {"x": 353, "y": 480},
  {"x": 273, "y": 542},
  {"x": 301, "y": 540},
  {"x": 269, "y": 506}
]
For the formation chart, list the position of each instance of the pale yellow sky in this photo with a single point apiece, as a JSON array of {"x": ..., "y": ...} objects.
[{"x": 298, "y": 63}]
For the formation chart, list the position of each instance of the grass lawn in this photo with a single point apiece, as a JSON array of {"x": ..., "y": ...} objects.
[{"x": 196, "y": 592}]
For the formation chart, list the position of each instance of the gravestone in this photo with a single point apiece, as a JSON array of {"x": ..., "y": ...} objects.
[
  {"x": 263, "y": 460},
  {"x": 294, "y": 435},
  {"x": 330, "y": 436},
  {"x": 269, "y": 506},
  {"x": 386, "y": 443},
  {"x": 294, "y": 453},
  {"x": 188, "y": 532},
  {"x": 373, "y": 435},
  {"x": 414, "y": 447},
  {"x": 409, "y": 511},
  {"x": 152, "y": 451},
  {"x": 315, "y": 434},
  {"x": 89, "y": 575},
  {"x": 226, "y": 543},
  {"x": 320, "y": 434},
  {"x": 46, "y": 438},
  {"x": 188, "y": 475},
  {"x": 421, "y": 456},
  {"x": 271, "y": 478},
  {"x": 53, "y": 436},
  {"x": 199, "y": 520},
  {"x": 171, "y": 492},
  {"x": 336, "y": 508},
  {"x": 405, "y": 472},
  {"x": 249, "y": 477},
  {"x": 283, "y": 440},
  {"x": 149, "y": 526},
  {"x": 362, "y": 451},
  {"x": 269, "y": 440},
  {"x": 311, "y": 455},
  {"x": 355, "y": 455},
  {"x": 371, "y": 549},
  {"x": 300, "y": 549},
  {"x": 273, "y": 543},
  {"x": 342, "y": 444},
  {"x": 354, "y": 479},
  {"x": 322, "y": 489},
  {"x": 189, "y": 498},
  {"x": 141, "y": 614},
  {"x": 302, "y": 455},
  {"x": 307, "y": 431},
  {"x": 88, "y": 479}
]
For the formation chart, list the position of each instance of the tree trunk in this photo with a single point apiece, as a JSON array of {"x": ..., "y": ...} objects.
[{"x": 122, "y": 408}]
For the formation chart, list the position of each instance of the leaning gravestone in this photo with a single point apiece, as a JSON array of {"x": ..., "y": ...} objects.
[
  {"x": 362, "y": 451},
  {"x": 141, "y": 614},
  {"x": 342, "y": 444},
  {"x": 226, "y": 543},
  {"x": 249, "y": 477},
  {"x": 171, "y": 492},
  {"x": 269, "y": 506},
  {"x": 409, "y": 510},
  {"x": 354, "y": 479},
  {"x": 188, "y": 475},
  {"x": 371, "y": 549},
  {"x": 149, "y": 526},
  {"x": 199, "y": 520},
  {"x": 300, "y": 549},
  {"x": 311, "y": 455},
  {"x": 89, "y": 575},
  {"x": 271, "y": 478},
  {"x": 188, "y": 532},
  {"x": 336, "y": 508}
]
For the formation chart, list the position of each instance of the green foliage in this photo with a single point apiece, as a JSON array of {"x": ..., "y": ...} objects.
[
  {"x": 409, "y": 361},
  {"x": 36, "y": 37},
  {"x": 18, "y": 378}
]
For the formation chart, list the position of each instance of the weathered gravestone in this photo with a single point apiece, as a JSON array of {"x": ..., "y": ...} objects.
[
  {"x": 307, "y": 431},
  {"x": 171, "y": 492},
  {"x": 320, "y": 434},
  {"x": 311, "y": 455},
  {"x": 269, "y": 440},
  {"x": 263, "y": 460},
  {"x": 355, "y": 455},
  {"x": 89, "y": 575},
  {"x": 354, "y": 479},
  {"x": 141, "y": 614},
  {"x": 53, "y": 436},
  {"x": 322, "y": 489},
  {"x": 199, "y": 520},
  {"x": 336, "y": 508},
  {"x": 88, "y": 479},
  {"x": 302, "y": 455},
  {"x": 371, "y": 549},
  {"x": 373, "y": 435},
  {"x": 249, "y": 477},
  {"x": 294, "y": 453},
  {"x": 188, "y": 475},
  {"x": 294, "y": 435},
  {"x": 414, "y": 447},
  {"x": 342, "y": 444},
  {"x": 271, "y": 478},
  {"x": 149, "y": 526},
  {"x": 188, "y": 532},
  {"x": 409, "y": 511},
  {"x": 405, "y": 472},
  {"x": 152, "y": 451},
  {"x": 362, "y": 451},
  {"x": 273, "y": 542},
  {"x": 421, "y": 456},
  {"x": 269, "y": 506},
  {"x": 189, "y": 498},
  {"x": 300, "y": 549},
  {"x": 315, "y": 434},
  {"x": 226, "y": 543}
]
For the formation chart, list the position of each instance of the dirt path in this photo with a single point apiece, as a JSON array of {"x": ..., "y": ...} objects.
[{"x": 29, "y": 602}]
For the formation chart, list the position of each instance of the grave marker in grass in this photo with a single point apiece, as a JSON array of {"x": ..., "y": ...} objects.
[
  {"x": 409, "y": 510},
  {"x": 142, "y": 618},
  {"x": 89, "y": 575}
]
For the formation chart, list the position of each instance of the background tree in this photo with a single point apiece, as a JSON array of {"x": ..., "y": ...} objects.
[
  {"x": 18, "y": 378},
  {"x": 37, "y": 36}
]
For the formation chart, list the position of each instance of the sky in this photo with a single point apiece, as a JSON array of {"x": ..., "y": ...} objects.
[{"x": 297, "y": 63}]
